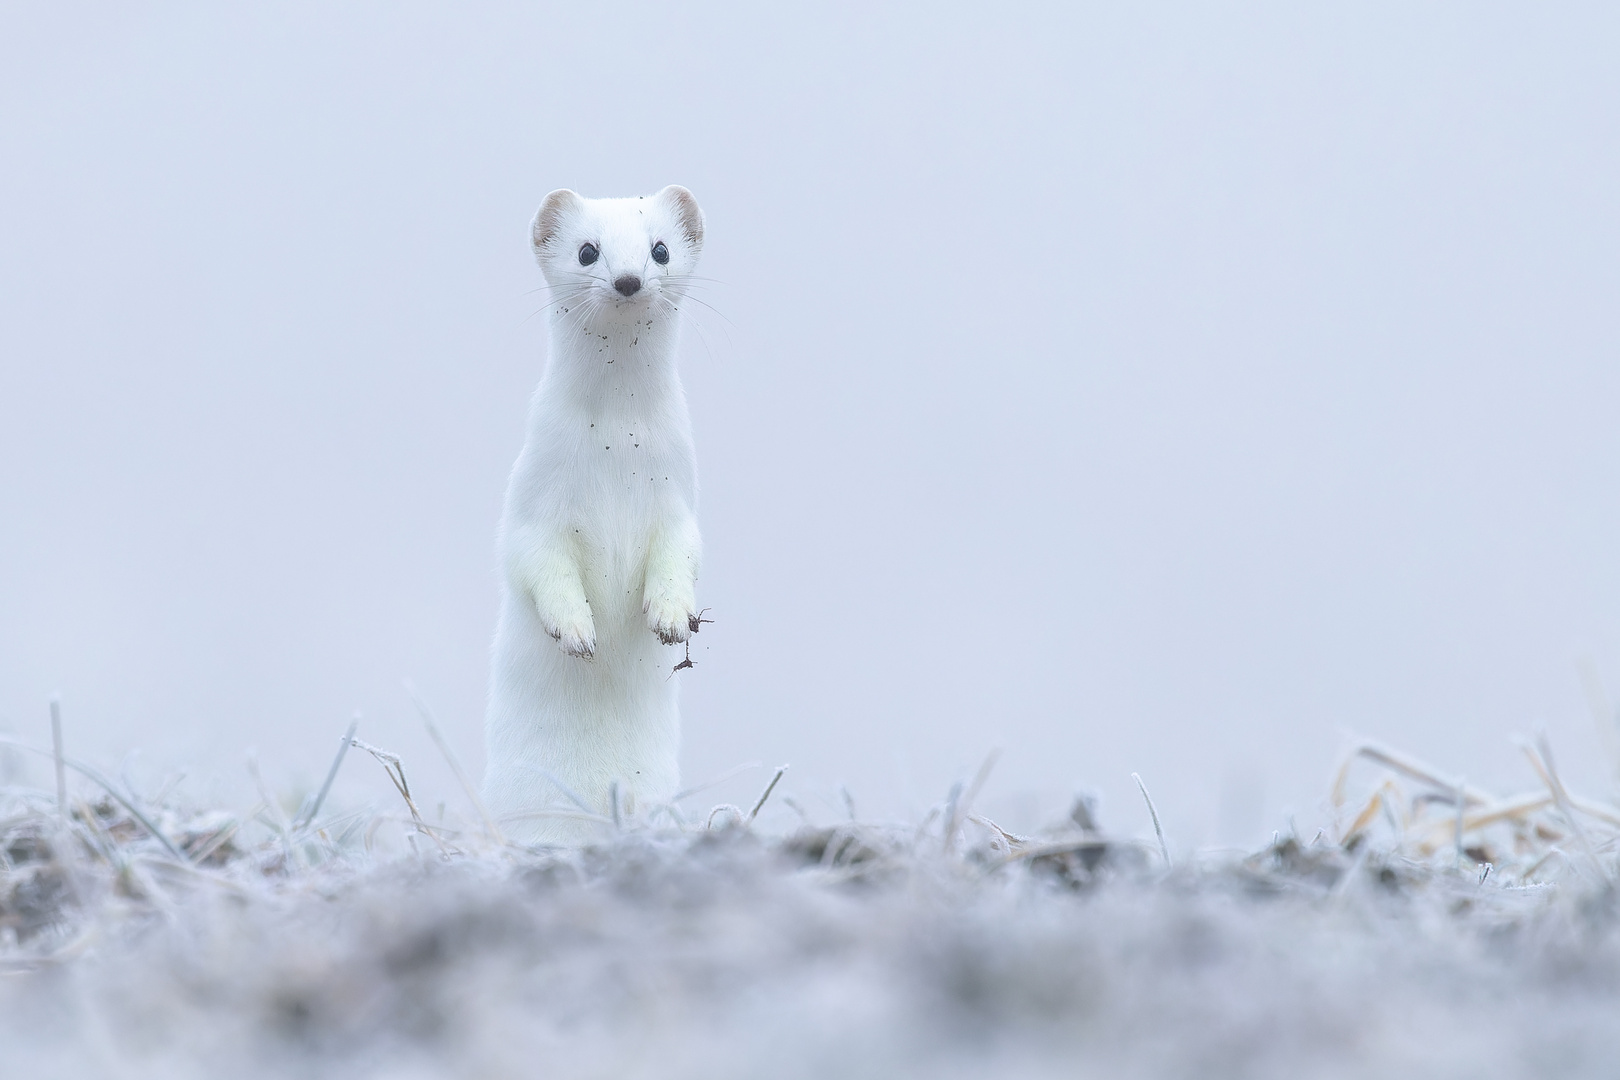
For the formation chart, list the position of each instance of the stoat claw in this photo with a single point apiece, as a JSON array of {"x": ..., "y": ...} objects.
[
  {"x": 576, "y": 635},
  {"x": 576, "y": 641},
  {"x": 672, "y": 620}
]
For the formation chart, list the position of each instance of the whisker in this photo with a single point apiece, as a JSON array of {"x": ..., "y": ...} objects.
[
  {"x": 711, "y": 307},
  {"x": 698, "y": 326}
]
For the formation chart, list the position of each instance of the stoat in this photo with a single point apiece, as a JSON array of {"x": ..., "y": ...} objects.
[{"x": 599, "y": 542}]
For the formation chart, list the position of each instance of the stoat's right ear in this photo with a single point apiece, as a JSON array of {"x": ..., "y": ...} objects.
[
  {"x": 549, "y": 218},
  {"x": 686, "y": 209}
]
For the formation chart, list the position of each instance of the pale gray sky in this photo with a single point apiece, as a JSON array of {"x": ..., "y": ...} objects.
[{"x": 1126, "y": 387}]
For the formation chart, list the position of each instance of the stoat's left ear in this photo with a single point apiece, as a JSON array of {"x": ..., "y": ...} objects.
[{"x": 686, "y": 208}]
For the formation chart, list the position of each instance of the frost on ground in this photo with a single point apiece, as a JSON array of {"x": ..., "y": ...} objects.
[{"x": 262, "y": 947}]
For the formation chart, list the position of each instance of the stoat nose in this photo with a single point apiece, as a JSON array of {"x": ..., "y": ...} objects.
[{"x": 627, "y": 284}]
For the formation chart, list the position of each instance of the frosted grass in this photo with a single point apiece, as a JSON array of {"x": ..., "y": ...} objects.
[{"x": 1435, "y": 930}]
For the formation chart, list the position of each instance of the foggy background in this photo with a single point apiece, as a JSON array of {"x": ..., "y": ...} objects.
[{"x": 1132, "y": 389}]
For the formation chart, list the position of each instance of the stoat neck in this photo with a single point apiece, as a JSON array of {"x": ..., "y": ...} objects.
[{"x": 613, "y": 357}]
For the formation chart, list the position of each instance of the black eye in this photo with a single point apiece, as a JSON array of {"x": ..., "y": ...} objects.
[
  {"x": 660, "y": 253},
  {"x": 588, "y": 254}
]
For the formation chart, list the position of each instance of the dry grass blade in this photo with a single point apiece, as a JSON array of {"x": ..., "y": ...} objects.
[
  {"x": 278, "y": 813},
  {"x": 93, "y": 776},
  {"x": 735, "y": 770},
  {"x": 454, "y": 762},
  {"x": 961, "y": 803},
  {"x": 331, "y": 774},
  {"x": 732, "y": 814},
  {"x": 1416, "y": 770},
  {"x": 1368, "y": 813},
  {"x": 1591, "y": 809},
  {"x": 1164, "y": 849},
  {"x": 569, "y": 793},
  {"x": 766, "y": 794},
  {"x": 566, "y": 815},
  {"x": 56, "y": 748},
  {"x": 1541, "y": 760},
  {"x": 1516, "y": 836},
  {"x": 1457, "y": 836},
  {"x": 223, "y": 836},
  {"x": 1518, "y": 808},
  {"x": 1605, "y": 718},
  {"x": 516, "y": 903},
  {"x": 395, "y": 768}
]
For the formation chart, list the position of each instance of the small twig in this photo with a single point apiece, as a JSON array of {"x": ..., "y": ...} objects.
[
  {"x": 695, "y": 623},
  {"x": 613, "y": 802},
  {"x": 754, "y": 813},
  {"x": 331, "y": 774},
  {"x": 1164, "y": 849},
  {"x": 684, "y": 664},
  {"x": 455, "y": 763}
]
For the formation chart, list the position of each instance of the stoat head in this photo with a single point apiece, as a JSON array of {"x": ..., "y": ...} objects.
[{"x": 616, "y": 258}]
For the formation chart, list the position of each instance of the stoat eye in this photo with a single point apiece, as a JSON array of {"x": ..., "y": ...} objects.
[
  {"x": 588, "y": 254},
  {"x": 660, "y": 253}
]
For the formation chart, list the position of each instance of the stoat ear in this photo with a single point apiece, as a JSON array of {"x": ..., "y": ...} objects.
[
  {"x": 550, "y": 217},
  {"x": 686, "y": 208}
]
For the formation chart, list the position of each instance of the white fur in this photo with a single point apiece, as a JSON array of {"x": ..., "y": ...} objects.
[{"x": 599, "y": 542}]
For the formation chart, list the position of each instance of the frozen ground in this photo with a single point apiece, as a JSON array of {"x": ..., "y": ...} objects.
[{"x": 256, "y": 948}]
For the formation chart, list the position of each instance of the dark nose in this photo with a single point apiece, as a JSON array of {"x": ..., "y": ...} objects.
[{"x": 627, "y": 284}]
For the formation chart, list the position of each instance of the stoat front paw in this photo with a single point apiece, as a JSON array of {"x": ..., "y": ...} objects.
[
  {"x": 576, "y": 633},
  {"x": 672, "y": 620},
  {"x": 577, "y": 640}
]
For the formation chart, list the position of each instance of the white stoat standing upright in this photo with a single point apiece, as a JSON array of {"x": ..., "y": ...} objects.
[{"x": 599, "y": 542}]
